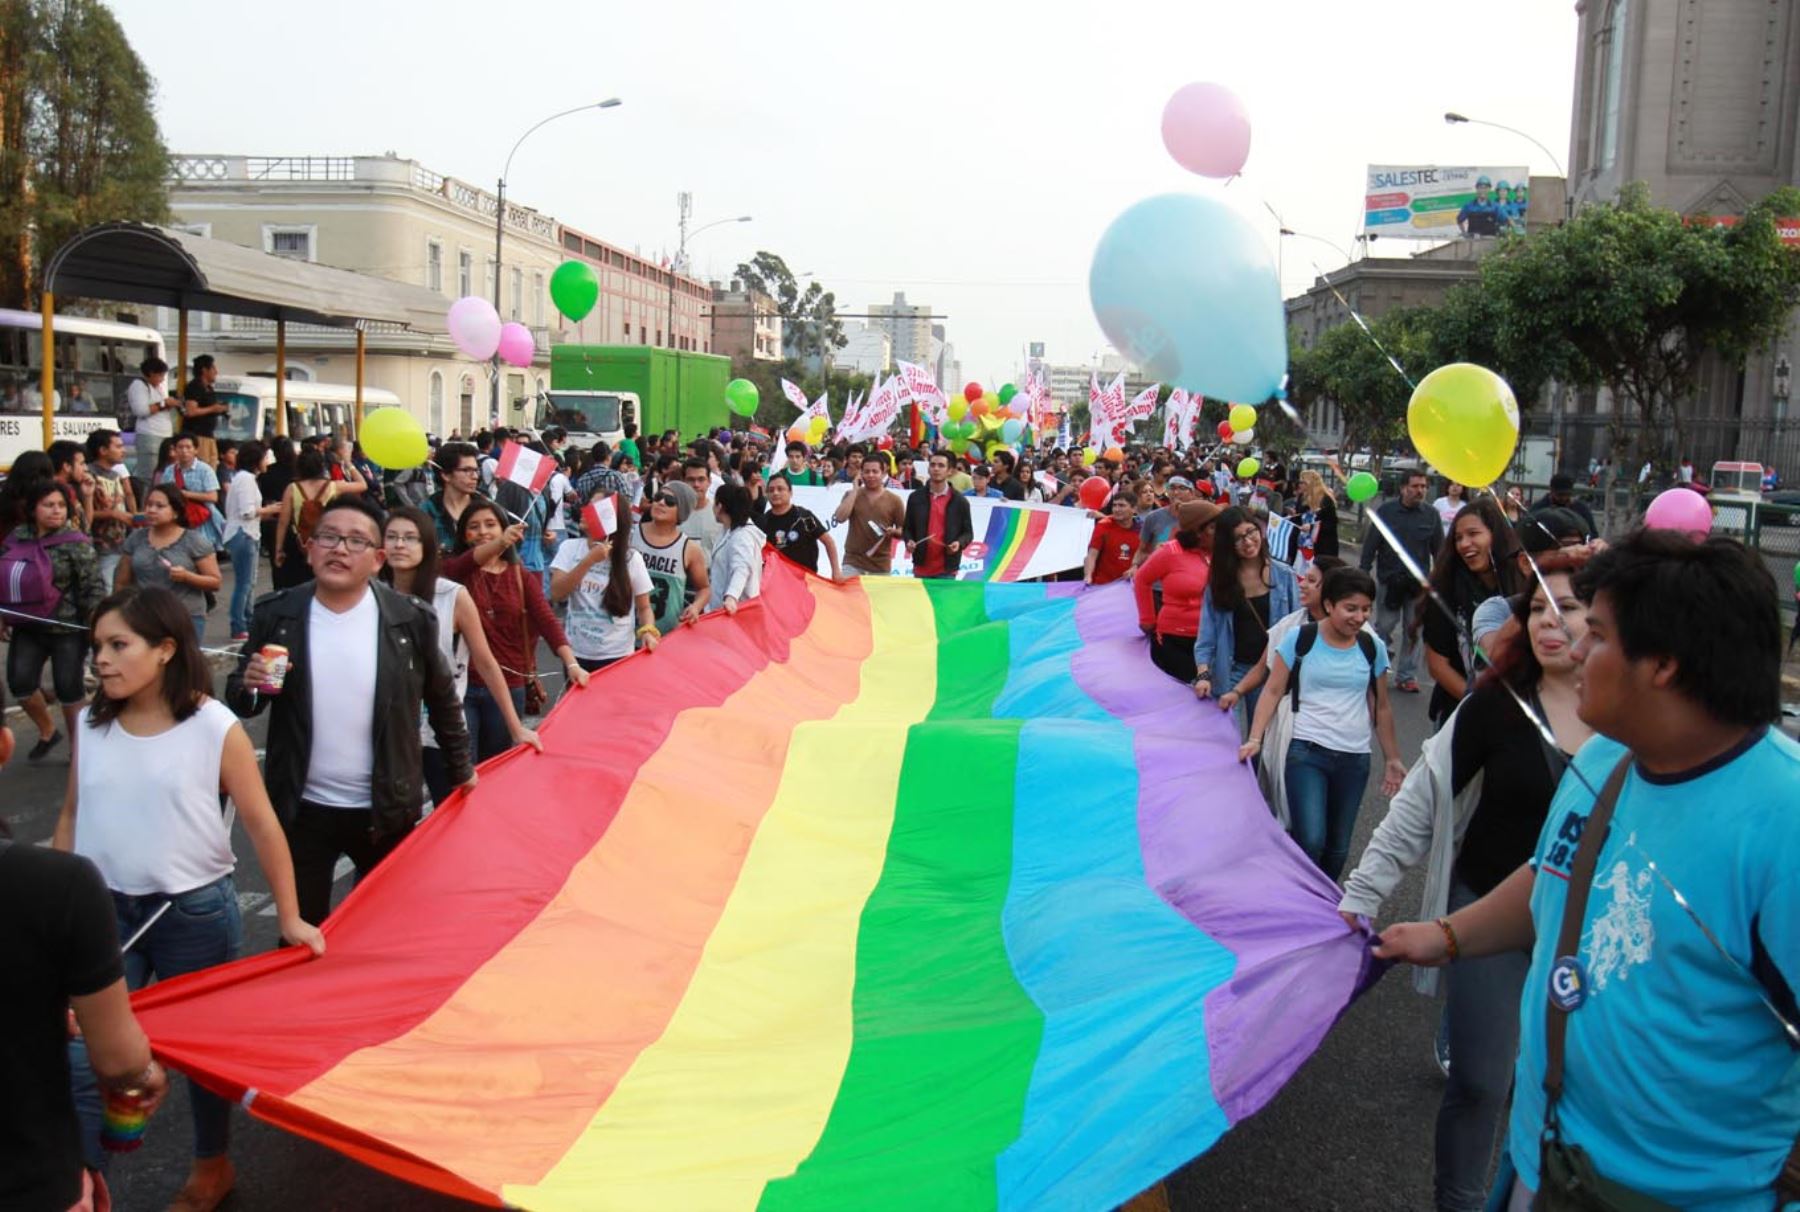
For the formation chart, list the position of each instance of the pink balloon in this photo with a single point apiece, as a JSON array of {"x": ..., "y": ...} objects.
[
  {"x": 1680, "y": 509},
  {"x": 475, "y": 327},
  {"x": 1205, "y": 128},
  {"x": 516, "y": 346}
]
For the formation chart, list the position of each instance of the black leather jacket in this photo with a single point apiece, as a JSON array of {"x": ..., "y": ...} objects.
[{"x": 410, "y": 670}]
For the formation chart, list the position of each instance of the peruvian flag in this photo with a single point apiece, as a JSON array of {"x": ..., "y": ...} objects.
[
  {"x": 525, "y": 467},
  {"x": 601, "y": 517}
]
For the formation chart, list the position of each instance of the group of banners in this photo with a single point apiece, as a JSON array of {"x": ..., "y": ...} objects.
[
  {"x": 870, "y": 416},
  {"x": 1112, "y": 417}
]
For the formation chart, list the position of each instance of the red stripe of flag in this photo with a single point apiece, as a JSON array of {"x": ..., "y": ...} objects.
[{"x": 525, "y": 467}]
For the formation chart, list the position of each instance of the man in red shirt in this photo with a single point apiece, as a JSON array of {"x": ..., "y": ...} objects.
[
  {"x": 938, "y": 525},
  {"x": 1115, "y": 541}
]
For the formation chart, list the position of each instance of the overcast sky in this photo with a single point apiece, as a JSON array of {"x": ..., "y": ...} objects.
[{"x": 968, "y": 153}]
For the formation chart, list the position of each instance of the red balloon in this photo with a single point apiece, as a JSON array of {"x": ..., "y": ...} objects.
[
  {"x": 1094, "y": 491},
  {"x": 973, "y": 392},
  {"x": 1224, "y": 431},
  {"x": 1204, "y": 488}
]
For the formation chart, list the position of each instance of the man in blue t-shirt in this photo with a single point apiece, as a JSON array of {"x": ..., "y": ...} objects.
[{"x": 1682, "y": 1079}]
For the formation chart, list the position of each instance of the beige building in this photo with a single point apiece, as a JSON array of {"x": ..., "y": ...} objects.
[
  {"x": 908, "y": 326},
  {"x": 397, "y": 219},
  {"x": 745, "y": 324}
]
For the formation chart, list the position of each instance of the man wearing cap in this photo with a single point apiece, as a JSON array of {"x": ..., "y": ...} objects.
[
  {"x": 1562, "y": 496},
  {"x": 1157, "y": 525},
  {"x": 1480, "y": 215}
]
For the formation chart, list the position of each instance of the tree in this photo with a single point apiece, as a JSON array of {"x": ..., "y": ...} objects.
[
  {"x": 1630, "y": 297},
  {"x": 1347, "y": 369},
  {"x": 79, "y": 143},
  {"x": 808, "y": 318}
]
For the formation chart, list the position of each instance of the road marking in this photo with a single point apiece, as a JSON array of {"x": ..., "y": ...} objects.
[{"x": 264, "y": 907}]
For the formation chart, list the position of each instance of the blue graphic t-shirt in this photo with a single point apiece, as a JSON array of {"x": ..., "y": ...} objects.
[{"x": 1678, "y": 1079}]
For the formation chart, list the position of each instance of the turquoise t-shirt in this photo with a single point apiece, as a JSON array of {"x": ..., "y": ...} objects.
[
  {"x": 1334, "y": 692},
  {"x": 1678, "y": 1080}
]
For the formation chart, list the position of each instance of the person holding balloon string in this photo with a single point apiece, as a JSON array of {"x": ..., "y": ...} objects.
[{"x": 1479, "y": 562}]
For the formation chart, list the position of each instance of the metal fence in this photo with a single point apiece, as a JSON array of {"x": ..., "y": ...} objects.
[{"x": 1705, "y": 441}]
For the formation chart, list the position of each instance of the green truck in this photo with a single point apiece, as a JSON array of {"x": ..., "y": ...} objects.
[{"x": 597, "y": 390}]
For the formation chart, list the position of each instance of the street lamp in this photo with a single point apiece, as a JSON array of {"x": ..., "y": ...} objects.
[
  {"x": 500, "y": 222},
  {"x": 680, "y": 263},
  {"x": 1455, "y": 119}
]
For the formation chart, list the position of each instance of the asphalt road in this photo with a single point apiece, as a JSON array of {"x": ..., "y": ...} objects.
[{"x": 1352, "y": 1131}]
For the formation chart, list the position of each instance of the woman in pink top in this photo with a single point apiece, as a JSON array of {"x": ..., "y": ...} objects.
[{"x": 1181, "y": 567}]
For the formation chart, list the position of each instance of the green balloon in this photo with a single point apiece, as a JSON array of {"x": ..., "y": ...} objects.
[
  {"x": 1361, "y": 487},
  {"x": 742, "y": 397},
  {"x": 574, "y": 289},
  {"x": 1007, "y": 392}
]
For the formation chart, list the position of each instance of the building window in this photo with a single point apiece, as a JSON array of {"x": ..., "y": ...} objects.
[
  {"x": 434, "y": 265},
  {"x": 296, "y": 243},
  {"x": 537, "y": 300},
  {"x": 435, "y": 394},
  {"x": 518, "y": 293},
  {"x": 1612, "y": 82},
  {"x": 628, "y": 330},
  {"x": 465, "y": 274}
]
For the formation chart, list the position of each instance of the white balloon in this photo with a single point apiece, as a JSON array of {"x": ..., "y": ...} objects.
[
  {"x": 1243, "y": 439},
  {"x": 475, "y": 327}
]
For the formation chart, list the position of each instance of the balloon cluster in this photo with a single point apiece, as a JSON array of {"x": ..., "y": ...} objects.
[
  {"x": 1239, "y": 428},
  {"x": 983, "y": 418},
  {"x": 476, "y": 328}
]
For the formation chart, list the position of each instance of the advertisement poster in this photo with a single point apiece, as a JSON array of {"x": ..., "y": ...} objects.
[{"x": 1436, "y": 202}]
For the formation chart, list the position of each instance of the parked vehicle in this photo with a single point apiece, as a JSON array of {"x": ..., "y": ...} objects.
[{"x": 597, "y": 390}]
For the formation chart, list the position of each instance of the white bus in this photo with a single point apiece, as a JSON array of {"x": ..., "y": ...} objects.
[
  {"x": 96, "y": 360},
  {"x": 311, "y": 407}
]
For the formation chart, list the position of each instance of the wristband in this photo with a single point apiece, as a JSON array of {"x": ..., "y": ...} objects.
[
  {"x": 1449, "y": 938},
  {"x": 650, "y": 629}
]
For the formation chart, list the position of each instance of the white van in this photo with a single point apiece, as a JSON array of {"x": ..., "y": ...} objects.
[{"x": 312, "y": 407}]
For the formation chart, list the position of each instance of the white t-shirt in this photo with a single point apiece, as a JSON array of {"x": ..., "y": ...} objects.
[
  {"x": 140, "y": 395},
  {"x": 1447, "y": 510},
  {"x": 1334, "y": 689},
  {"x": 456, "y": 653},
  {"x": 558, "y": 489},
  {"x": 594, "y": 634},
  {"x": 242, "y": 501},
  {"x": 343, "y": 703},
  {"x": 147, "y": 808}
]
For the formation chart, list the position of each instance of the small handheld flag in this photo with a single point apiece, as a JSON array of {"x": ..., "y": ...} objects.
[
  {"x": 601, "y": 517},
  {"x": 525, "y": 467}
]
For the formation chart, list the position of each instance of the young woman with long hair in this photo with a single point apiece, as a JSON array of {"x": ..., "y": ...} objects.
[
  {"x": 1478, "y": 562},
  {"x": 736, "y": 561},
  {"x": 1318, "y": 500},
  {"x": 606, "y": 585},
  {"x": 169, "y": 554},
  {"x": 1471, "y": 809},
  {"x": 514, "y": 616},
  {"x": 1245, "y": 594},
  {"x": 311, "y": 490},
  {"x": 58, "y": 636},
  {"x": 409, "y": 538},
  {"x": 142, "y": 804}
]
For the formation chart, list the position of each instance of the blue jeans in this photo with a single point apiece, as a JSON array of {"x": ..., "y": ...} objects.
[
  {"x": 1324, "y": 791},
  {"x": 201, "y": 929},
  {"x": 241, "y": 547},
  {"x": 1246, "y": 708},
  {"x": 487, "y": 727}
]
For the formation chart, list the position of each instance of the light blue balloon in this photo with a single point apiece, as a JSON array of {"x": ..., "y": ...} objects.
[
  {"x": 1012, "y": 429},
  {"x": 1185, "y": 287}
]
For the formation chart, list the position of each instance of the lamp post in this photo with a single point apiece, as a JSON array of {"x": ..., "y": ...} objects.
[
  {"x": 680, "y": 264},
  {"x": 500, "y": 224},
  {"x": 1455, "y": 119}
]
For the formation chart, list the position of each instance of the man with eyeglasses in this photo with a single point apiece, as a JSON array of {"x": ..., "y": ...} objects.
[
  {"x": 459, "y": 470},
  {"x": 344, "y": 763}
]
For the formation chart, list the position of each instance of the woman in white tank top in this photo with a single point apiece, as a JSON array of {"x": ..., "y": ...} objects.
[
  {"x": 155, "y": 751},
  {"x": 410, "y": 539}
]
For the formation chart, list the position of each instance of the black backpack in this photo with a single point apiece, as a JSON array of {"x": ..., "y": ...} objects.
[{"x": 1309, "y": 635}]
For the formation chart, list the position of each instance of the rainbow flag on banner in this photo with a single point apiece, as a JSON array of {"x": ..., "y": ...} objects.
[{"x": 887, "y": 894}]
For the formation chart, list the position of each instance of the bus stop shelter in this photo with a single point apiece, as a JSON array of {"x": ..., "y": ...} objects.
[{"x": 162, "y": 267}]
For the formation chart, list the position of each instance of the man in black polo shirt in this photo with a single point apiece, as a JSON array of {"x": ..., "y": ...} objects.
[
  {"x": 1004, "y": 479},
  {"x": 201, "y": 410}
]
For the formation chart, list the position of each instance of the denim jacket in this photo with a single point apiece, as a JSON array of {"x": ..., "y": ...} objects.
[{"x": 1217, "y": 639}]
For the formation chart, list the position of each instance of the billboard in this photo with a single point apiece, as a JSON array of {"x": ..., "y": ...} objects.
[{"x": 1434, "y": 202}]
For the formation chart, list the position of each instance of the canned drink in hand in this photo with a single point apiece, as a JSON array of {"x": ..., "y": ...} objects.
[
  {"x": 275, "y": 660},
  {"x": 123, "y": 1114}
]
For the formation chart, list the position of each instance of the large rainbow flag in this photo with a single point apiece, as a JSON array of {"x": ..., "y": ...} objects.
[{"x": 883, "y": 894}]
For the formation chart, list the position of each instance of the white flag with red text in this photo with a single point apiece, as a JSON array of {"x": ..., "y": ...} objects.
[
  {"x": 796, "y": 397},
  {"x": 921, "y": 386}
]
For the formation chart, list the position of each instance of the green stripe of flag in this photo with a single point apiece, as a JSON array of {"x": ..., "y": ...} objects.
[{"x": 945, "y": 1037}]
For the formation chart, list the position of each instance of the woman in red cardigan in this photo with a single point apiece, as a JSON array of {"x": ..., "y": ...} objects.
[
  {"x": 1182, "y": 568},
  {"x": 514, "y": 615}
]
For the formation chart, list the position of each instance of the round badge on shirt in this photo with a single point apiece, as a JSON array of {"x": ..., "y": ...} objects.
[{"x": 1568, "y": 984}]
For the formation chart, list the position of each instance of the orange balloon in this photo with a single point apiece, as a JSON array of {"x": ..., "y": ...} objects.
[
  {"x": 1114, "y": 455},
  {"x": 979, "y": 408}
]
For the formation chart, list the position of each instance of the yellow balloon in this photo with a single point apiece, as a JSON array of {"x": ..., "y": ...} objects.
[
  {"x": 991, "y": 421},
  {"x": 958, "y": 408},
  {"x": 1089, "y": 457},
  {"x": 394, "y": 439},
  {"x": 1242, "y": 417},
  {"x": 1464, "y": 420}
]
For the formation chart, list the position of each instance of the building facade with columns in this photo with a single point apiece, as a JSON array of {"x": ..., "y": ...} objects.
[{"x": 397, "y": 219}]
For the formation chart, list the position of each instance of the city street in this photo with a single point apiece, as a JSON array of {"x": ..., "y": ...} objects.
[{"x": 1352, "y": 1131}]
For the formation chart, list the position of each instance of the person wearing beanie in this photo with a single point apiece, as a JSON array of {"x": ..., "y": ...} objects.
[{"x": 677, "y": 564}]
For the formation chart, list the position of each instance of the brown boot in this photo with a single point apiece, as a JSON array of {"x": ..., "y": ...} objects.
[{"x": 208, "y": 1183}]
